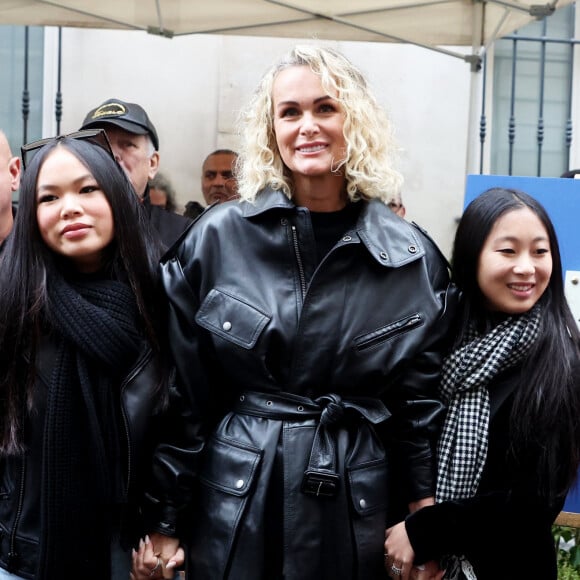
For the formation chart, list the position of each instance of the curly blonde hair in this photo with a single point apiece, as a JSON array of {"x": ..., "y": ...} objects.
[{"x": 370, "y": 147}]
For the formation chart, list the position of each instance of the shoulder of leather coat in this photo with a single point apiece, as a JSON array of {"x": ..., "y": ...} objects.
[
  {"x": 211, "y": 214},
  {"x": 391, "y": 240},
  {"x": 431, "y": 241}
]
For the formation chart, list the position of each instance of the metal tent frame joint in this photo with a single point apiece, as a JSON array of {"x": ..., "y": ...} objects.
[{"x": 540, "y": 11}]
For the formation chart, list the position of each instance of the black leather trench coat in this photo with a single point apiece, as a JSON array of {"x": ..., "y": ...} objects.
[{"x": 306, "y": 412}]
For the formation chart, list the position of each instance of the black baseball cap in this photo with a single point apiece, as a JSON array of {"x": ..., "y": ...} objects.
[{"x": 128, "y": 116}]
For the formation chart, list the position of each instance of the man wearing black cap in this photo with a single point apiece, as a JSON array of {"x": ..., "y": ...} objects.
[{"x": 135, "y": 144}]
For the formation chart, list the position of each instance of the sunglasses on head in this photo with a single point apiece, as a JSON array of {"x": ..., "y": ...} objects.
[{"x": 96, "y": 136}]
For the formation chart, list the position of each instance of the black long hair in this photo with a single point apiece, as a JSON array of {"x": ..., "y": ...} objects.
[
  {"x": 27, "y": 263},
  {"x": 546, "y": 409}
]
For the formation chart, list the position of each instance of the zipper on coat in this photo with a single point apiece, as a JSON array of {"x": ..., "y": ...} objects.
[
  {"x": 299, "y": 262},
  {"x": 388, "y": 332},
  {"x": 12, "y": 554}
]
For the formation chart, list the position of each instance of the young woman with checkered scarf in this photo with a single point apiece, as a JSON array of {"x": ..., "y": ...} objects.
[{"x": 510, "y": 447}]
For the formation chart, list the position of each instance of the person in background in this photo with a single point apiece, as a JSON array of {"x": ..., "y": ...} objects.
[
  {"x": 193, "y": 209},
  {"x": 305, "y": 412},
  {"x": 397, "y": 206},
  {"x": 9, "y": 183},
  {"x": 81, "y": 366},
  {"x": 218, "y": 183},
  {"x": 571, "y": 174},
  {"x": 510, "y": 447},
  {"x": 161, "y": 192},
  {"x": 135, "y": 144}
]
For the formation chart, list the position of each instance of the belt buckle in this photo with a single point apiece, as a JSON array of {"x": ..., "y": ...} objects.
[{"x": 320, "y": 483}]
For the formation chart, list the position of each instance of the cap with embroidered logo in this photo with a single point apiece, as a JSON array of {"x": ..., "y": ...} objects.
[{"x": 128, "y": 116}]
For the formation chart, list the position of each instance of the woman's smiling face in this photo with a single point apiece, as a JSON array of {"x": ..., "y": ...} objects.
[
  {"x": 308, "y": 123},
  {"x": 515, "y": 263}
]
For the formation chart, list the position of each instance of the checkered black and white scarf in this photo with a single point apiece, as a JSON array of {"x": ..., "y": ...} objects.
[{"x": 466, "y": 372}]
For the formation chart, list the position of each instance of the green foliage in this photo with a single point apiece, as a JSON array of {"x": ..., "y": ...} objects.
[{"x": 568, "y": 544}]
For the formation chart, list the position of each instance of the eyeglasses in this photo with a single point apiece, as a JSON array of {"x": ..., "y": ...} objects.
[
  {"x": 394, "y": 205},
  {"x": 96, "y": 136}
]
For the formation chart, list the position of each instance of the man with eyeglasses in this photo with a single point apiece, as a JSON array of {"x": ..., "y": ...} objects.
[
  {"x": 135, "y": 144},
  {"x": 9, "y": 182}
]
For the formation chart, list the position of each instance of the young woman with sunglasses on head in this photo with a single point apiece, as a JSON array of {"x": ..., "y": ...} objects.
[
  {"x": 81, "y": 371},
  {"x": 510, "y": 446}
]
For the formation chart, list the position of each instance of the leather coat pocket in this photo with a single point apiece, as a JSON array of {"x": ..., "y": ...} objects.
[
  {"x": 229, "y": 466},
  {"x": 227, "y": 477},
  {"x": 369, "y": 493},
  {"x": 231, "y": 318},
  {"x": 368, "y": 485}
]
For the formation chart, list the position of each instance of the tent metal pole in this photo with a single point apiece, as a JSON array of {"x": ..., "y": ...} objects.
[
  {"x": 482, "y": 118},
  {"x": 25, "y": 91},
  {"x": 472, "y": 157},
  {"x": 58, "y": 100}
]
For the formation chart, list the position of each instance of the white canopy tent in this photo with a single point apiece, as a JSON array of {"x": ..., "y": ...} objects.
[{"x": 433, "y": 24}]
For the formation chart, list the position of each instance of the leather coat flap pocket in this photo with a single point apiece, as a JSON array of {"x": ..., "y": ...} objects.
[
  {"x": 230, "y": 467},
  {"x": 231, "y": 318},
  {"x": 368, "y": 484}
]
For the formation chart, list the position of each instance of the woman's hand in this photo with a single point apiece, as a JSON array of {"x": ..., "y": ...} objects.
[
  {"x": 399, "y": 554},
  {"x": 157, "y": 557},
  {"x": 399, "y": 557}
]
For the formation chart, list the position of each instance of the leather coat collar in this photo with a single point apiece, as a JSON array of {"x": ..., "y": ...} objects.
[{"x": 391, "y": 240}]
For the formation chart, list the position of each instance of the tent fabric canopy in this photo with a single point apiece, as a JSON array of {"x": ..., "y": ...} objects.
[{"x": 429, "y": 23}]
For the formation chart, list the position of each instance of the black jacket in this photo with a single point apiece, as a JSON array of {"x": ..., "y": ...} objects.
[
  {"x": 269, "y": 345},
  {"x": 168, "y": 225},
  {"x": 505, "y": 530},
  {"x": 20, "y": 476}
]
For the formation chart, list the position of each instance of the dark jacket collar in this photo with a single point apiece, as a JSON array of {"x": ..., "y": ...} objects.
[{"x": 391, "y": 240}]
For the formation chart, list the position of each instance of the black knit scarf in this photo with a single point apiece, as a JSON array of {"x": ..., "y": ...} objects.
[{"x": 94, "y": 321}]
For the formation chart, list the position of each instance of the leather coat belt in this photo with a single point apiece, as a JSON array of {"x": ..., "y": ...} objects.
[{"x": 321, "y": 478}]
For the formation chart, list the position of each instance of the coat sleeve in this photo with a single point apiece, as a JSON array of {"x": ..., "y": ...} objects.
[
  {"x": 417, "y": 411},
  {"x": 483, "y": 524},
  {"x": 180, "y": 434}
]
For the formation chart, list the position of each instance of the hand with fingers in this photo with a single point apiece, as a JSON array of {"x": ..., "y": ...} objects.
[
  {"x": 399, "y": 558},
  {"x": 396, "y": 568},
  {"x": 403, "y": 571},
  {"x": 157, "y": 557},
  {"x": 399, "y": 554}
]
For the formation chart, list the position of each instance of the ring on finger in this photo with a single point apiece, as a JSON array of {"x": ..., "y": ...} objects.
[
  {"x": 157, "y": 566},
  {"x": 395, "y": 570}
]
